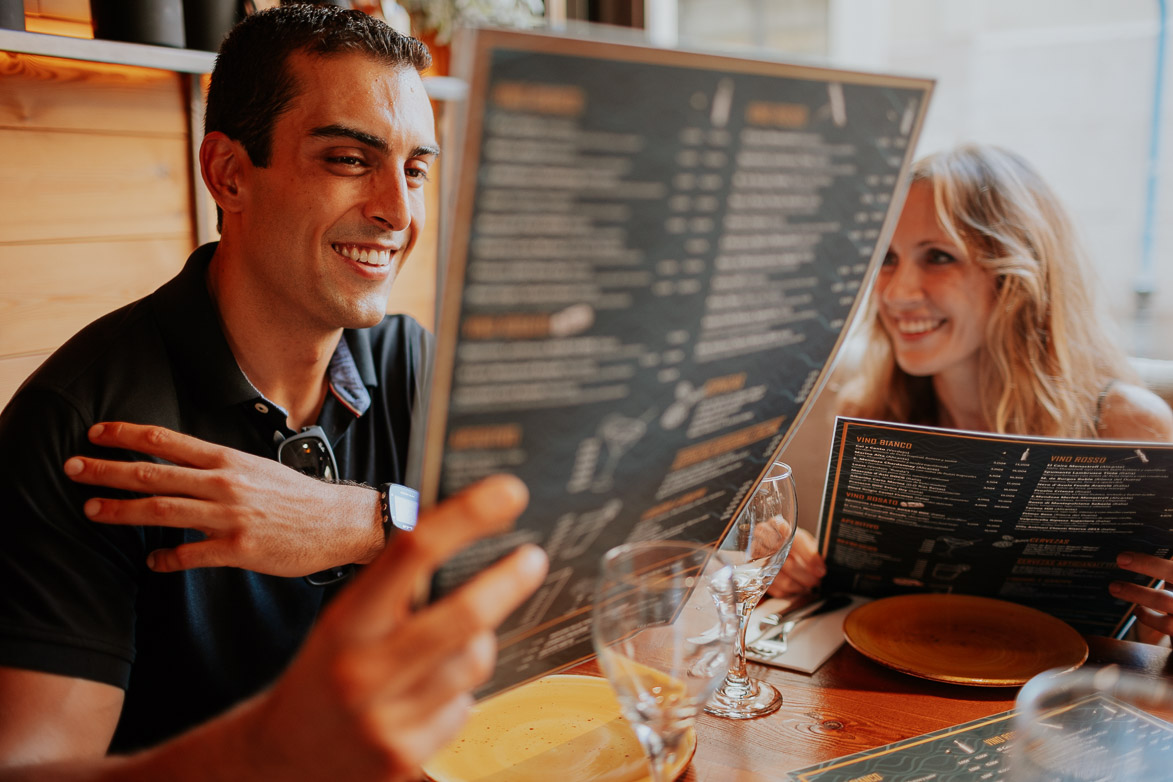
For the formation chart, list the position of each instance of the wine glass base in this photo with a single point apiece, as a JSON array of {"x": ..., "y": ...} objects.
[{"x": 760, "y": 699}]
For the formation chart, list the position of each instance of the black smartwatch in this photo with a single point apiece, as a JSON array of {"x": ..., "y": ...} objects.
[{"x": 400, "y": 507}]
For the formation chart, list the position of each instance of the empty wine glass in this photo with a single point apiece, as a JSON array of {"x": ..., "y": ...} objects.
[
  {"x": 1092, "y": 725},
  {"x": 663, "y": 625},
  {"x": 756, "y": 547}
]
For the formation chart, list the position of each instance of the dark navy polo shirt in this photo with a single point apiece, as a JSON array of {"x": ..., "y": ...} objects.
[{"x": 76, "y": 597}]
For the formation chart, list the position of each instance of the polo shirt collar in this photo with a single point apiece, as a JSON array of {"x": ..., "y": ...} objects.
[
  {"x": 359, "y": 342},
  {"x": 346, "y": 382},
  {"x": 190, "y": 325}
]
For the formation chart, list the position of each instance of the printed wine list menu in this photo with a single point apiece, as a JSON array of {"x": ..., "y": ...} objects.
[{"x": 652, "y": 260}]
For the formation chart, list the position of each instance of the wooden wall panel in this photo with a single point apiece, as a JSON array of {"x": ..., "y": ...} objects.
[
  {"x": 49, "y": 93},
  {"x": 52, "y": 290},
  {"x": 95, "y": 197},
  {"x": 61, "y": 185},
  {"x": 68, "y": 9}
]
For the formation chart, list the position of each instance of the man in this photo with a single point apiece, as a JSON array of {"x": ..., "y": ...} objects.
[{"x": 319, "y": 137}]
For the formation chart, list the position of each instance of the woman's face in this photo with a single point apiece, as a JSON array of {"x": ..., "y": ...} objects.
[{"x": 934, "y": 300}]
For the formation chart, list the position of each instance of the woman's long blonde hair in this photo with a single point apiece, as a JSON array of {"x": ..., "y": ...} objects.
[{"x": 1049, "y": 350}]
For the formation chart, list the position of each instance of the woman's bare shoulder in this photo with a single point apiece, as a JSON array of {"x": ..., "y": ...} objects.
[{"x": 1131, "y": 412}]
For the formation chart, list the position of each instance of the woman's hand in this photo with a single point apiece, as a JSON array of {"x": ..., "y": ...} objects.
[
  {"x": 1154, "y": 607},
  {"x": 803, "y": 569}
]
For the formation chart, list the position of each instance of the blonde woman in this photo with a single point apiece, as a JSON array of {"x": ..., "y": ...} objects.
[{"x": 984, "y": 317}]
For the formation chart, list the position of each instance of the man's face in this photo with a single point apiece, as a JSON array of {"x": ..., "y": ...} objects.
[{"x": 329, "y": 223}]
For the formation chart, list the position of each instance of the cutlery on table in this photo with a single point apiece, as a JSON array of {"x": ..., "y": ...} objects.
[{"x": 774, "y": 641}]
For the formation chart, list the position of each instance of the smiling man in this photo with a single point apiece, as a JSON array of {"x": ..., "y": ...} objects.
[{"x": 161, "y": 562}]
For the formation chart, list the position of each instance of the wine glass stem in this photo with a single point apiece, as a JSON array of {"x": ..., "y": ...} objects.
[
  {"x": 736, "y": 684},
  {"x": 737, "y": 670},
  {"x": 658, "y": 749},
  {"x": 658, "y": 767}
]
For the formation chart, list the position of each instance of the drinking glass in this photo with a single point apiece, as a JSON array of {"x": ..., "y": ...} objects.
[
  {"x": 663, "y": 624},
  {"x": 1092, "y": 725},
  {"x": 756, "y": 547}
]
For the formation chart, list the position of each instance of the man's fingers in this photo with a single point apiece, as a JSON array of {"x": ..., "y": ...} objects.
[
  {"x": 478, "y": 606},
  {"x": 141, "y": 477},
  {"x": 422, "y": 732},
  {"x": 382, "y": 593},
  {"x": 213, "y": 552},
  {"x": 448, "y": 627},
  {"x": 493, "y": 594},
  {"x": 465, "y": 662},
  {"x": 180, "y": 512},
  {"x": 157, "y": 441}
]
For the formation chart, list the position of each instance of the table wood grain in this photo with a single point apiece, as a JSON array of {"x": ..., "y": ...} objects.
[{"x": 852, "y": 704}]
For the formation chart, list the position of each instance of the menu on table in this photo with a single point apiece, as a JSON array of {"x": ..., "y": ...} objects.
[
  {"x": 1033, "y": 520},
  {"x": 982, "y": 749},
  {"x": 652, "y": 260}
]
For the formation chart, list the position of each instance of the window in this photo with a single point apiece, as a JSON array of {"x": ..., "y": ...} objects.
[{"x": 1069, "y": 84}]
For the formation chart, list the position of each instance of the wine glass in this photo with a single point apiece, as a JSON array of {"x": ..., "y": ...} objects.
[
  {"x": 1092, "y": 725},
  {"x": 663, "y": 625},
  {"x": 756, "y": 547}
]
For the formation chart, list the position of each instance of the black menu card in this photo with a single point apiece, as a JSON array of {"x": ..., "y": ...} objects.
[
  {"x": 1033, "y": 520},
  {"x": 653, "y": 256}
]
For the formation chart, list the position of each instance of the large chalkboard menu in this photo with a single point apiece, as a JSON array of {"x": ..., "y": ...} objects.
[
  {"x": 652, "y": 260},
  {"x": 1033, "y": 520}
]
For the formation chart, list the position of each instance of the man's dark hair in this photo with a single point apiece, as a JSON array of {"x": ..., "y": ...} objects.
[{"x": 252, "y": 83}]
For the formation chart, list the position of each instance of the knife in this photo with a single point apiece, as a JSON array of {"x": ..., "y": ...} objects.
[{"x": 832, "y": 602}]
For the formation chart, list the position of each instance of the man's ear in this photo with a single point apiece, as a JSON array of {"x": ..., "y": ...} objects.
[{"x": 224, "y": 163}]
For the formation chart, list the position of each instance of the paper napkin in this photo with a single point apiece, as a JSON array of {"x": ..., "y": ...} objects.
[{"x": 811, "y": 643}]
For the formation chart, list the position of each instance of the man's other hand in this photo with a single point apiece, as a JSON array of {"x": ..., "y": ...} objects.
[
  {"x": 256, "y": 514},
  {"x": 379, "y": 687}
]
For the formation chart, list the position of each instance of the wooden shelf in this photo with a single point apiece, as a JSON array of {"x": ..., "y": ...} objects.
[
  {"x": 161, "y": 57},
  {"x": 442, "y": 88}
]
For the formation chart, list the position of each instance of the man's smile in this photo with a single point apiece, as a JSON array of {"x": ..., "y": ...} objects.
[{"x": 368, "y": 256}]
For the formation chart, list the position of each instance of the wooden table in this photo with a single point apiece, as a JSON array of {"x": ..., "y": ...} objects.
[{"x": 851, "y": 704}]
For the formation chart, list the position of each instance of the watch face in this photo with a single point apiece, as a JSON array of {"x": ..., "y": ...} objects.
[{"x": 403, "y": 504}]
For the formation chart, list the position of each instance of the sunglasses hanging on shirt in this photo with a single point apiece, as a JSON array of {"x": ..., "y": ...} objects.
[{"x": 309, "y": 452}]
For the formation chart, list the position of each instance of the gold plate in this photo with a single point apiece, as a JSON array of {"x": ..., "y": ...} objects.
[
  {"x": 566, "y": 728},
  {"x": 963, "y": 639}
]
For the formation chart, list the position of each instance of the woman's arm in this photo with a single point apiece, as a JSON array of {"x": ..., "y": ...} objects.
[{"x": 1130, "y": 412}]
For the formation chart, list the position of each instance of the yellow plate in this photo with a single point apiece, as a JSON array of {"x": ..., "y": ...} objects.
[
  {"x": 963, "y": 639},
  {"x": 565, "y": 728}
]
